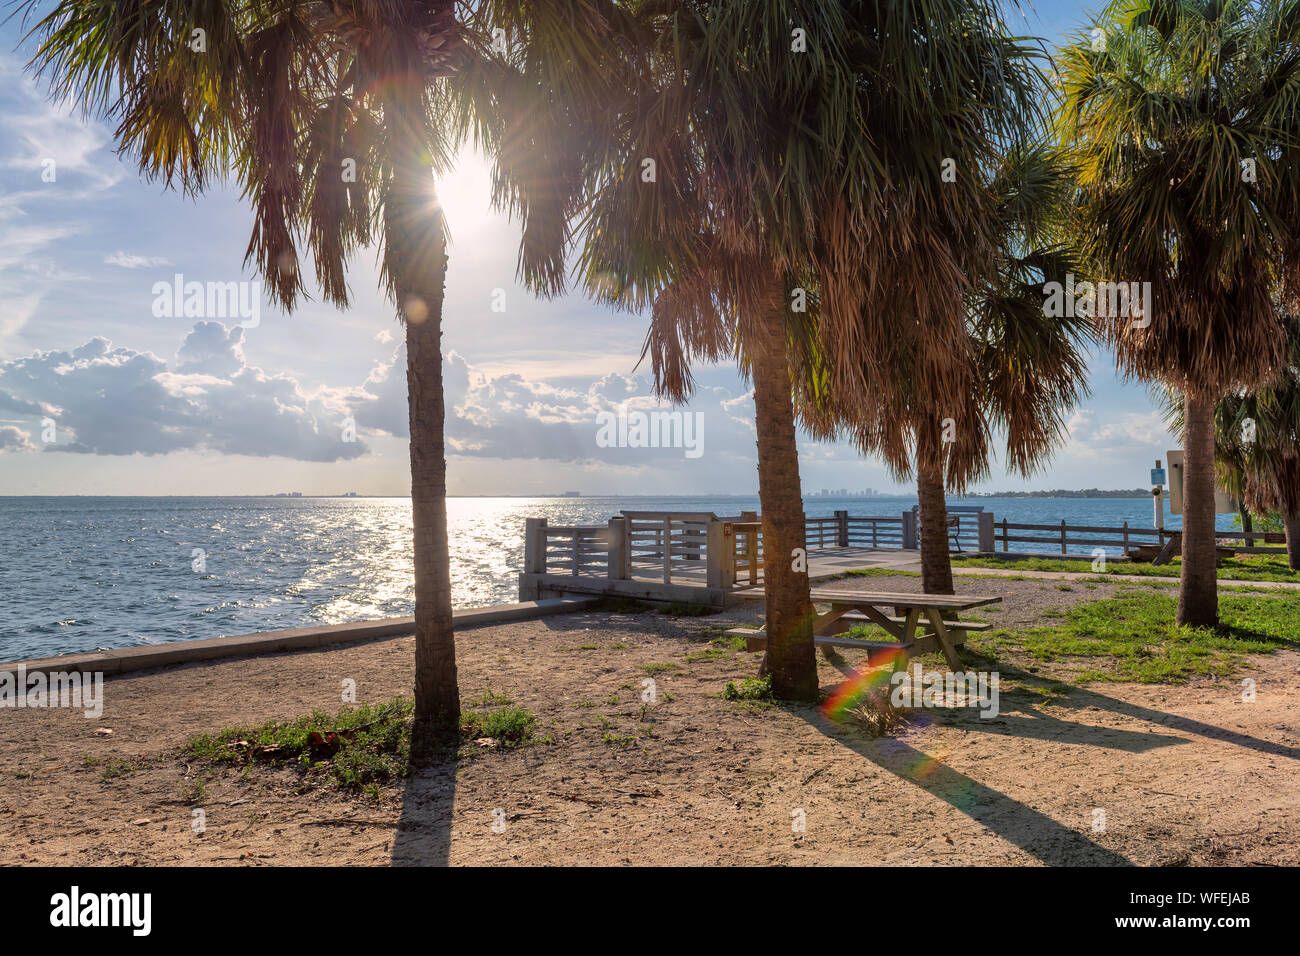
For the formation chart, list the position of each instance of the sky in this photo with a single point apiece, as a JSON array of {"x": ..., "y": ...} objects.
[{"x": 111, "y": 386}]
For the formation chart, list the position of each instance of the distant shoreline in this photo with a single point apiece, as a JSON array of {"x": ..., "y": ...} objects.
[{"x": 1088, "y": 493}]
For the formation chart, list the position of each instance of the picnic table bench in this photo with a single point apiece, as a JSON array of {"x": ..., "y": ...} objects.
[{"x": 901, "y": 616}]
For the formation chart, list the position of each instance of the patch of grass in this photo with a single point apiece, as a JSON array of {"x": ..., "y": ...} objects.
[
  {"x": 883, "y": 573},
  {"x": 620, "y": 741},
  {"x": 1246, "y": 567},
  {"x": 194, "y": 792},
  {"x": 751, "y": 688},
  {"x": 114, "y": 768},
  {"x": 490, "y": 698},
  {"x": 359, "y": 747},
  {"x": 689, "y": 609},
  {"x": 719, "y": 648},
  {"x": 509, "y": 726},
  {"x": 1132, "y": 636},
  {"x": 658, "y": 668}
]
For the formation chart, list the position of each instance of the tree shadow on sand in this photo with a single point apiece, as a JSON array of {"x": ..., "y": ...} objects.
[
  {"x": 1044, "y": 838},
  {"x": 428, "y": 796},
  {"x": 1078, "y": 697}
]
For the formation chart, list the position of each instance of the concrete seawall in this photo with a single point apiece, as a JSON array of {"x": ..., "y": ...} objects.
[{"x": 128, "y": 659}]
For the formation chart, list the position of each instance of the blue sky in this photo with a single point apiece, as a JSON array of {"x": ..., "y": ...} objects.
[{"x": 143, "y": 403}]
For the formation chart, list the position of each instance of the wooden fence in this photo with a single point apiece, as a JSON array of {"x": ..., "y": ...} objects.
[
  {"x": 693, "y": 549},
  {"x": 1067, "y": 538}
]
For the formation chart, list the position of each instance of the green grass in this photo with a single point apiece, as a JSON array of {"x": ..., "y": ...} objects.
[
  {"x": 718, "y": 649},
  {"x": 490, "y": 698},
  {"x": 881, "y": 573},
  {"x": 751, "y": 688},
  {"x": 509, "y": 726},
  {"x": 358, "y": 747},
  {"x": 1252, "y": 567},
  {"x": 1131, "y": 637}
]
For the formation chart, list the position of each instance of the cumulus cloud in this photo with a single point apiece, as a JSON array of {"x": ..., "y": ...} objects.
[
  {"x": 118, "y": 401},
  {"x": 14, "y": 439},
  {"x": 128, "y": 261},
  {"x": 509, "y": 416},
  {"x": 1124, "y": 437}
]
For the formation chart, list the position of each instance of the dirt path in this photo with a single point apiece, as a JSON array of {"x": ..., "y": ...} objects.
[{"x": 1183, "y": 774}]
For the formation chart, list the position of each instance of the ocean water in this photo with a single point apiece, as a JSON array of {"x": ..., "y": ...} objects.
[{"x": 81, "y": 573}]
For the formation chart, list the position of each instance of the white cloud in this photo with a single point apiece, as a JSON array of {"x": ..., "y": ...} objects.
[
  {"x": 117, "y": 401},
  {"x": 128, "y": 261},
  {"x": 14, "y": 439}
]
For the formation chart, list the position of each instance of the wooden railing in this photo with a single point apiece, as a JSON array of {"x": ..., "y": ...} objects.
[
  {"x": 1126, "y": 539},
  {"x": 667, "y": 539},
  {"x": 695, "y": 548},
  {"x": 842, "y": 530}
]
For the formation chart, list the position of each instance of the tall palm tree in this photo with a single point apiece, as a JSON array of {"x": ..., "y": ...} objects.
[
  {"x": 283, "y": 94},
  {"x": 1182, "y": 121},
  {"x": 1257, "y": 444},
  {"x": 809, "y": 177},
  {"x": 1025, "y": 370}
]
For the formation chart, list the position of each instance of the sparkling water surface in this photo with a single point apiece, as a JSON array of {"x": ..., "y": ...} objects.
[{"x": 82, "y": 573}]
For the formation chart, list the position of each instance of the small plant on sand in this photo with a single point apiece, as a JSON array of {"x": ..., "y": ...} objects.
[
  {"x": 751, "y": 688},
  {"x": 490, "y": 698},
  {"x": 876, "y": 714},
  {"x": 194, "y": 791},
  {"x": 509, "y": 726}
]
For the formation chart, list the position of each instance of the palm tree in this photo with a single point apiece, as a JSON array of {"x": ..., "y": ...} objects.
[
  {"x": 1257, "y": 445},
  {"x": 1026, "y": 368},
  {"x": 1182, "y": 121},
  {"x": 795, "y": 186},
  {"x": 285, "y": 96}
]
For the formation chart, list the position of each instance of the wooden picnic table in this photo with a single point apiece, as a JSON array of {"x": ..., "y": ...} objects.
[{"x": 848, "y": 608}]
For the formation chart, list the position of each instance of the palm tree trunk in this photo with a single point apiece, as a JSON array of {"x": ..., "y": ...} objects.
[
  {"x": 790, "y": 657},
  {"x": 1247, "y": 525},
  {"x": 1292, "y": 542},
  {"x": 1198, "y": 597},
  {"x": 417, "y": 260},
  {"x": 936, "y": 562}
]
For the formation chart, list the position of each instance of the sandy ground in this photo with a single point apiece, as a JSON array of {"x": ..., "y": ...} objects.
[{"x": 1184, "y": 775}]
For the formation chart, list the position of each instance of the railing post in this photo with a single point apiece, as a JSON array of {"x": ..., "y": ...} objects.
[
  {"x": 668, "y": 550},
  {"x": 721, "y": 554},
  {"x": 1126, "y": 539},
  {"x": 1006, "y": 544},
  {"x": 842, "y": 528},
  {"x": 1062, "y": 536},
  {"x": 576, "y": 547},
  {"x": 909, "y": 530},
  {"x": 617, "y": 556},
  {"x": 987, "y": 543},
  {"x": 534, "y": 546}
]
